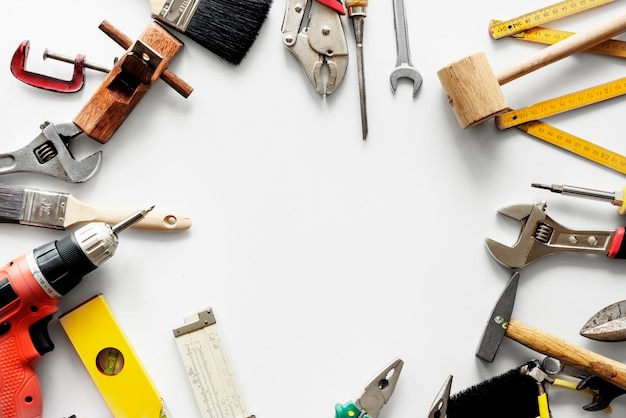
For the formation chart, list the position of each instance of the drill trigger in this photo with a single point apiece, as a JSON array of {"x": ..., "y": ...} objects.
[{"x": 39, "y": 336}]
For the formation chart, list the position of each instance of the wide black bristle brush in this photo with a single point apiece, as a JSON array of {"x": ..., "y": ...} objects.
[
  {"x": 510, "y": 395},
  {"x": 228, "y": 28}
]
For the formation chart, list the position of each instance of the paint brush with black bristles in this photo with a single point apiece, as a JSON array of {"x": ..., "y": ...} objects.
[
  {"x": 228, "y": 28},
  {"x": 517, "y": 393},
  {"x": 511, "y": 394},
  {"x": 57, "y": 210}
]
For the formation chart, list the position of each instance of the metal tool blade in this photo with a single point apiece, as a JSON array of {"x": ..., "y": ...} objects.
[
  {"x": 608, "y": 324},
  {"x": 439, "y": 407},
  {"x": 358, "y": 30},
  {"x": 496, "y": 327},
  {"x": 377, "y": 393}
]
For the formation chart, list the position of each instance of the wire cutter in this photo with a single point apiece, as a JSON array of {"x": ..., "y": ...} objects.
[
  {"x": 375, "y": 395},
  {"x": 313, "y": 32}
]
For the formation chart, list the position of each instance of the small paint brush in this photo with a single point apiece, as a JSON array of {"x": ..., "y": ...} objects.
[
  {"x": 228, "y": 28},
  {"x": 58, "y": 210}
]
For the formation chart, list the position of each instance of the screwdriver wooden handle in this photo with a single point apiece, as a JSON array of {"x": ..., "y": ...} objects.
[
  {"x": 77, "y": 212},
  {"x": 125, "y": 42},
  {"x": 568, "y": 46},
  {"x": 579, "y": 357}
]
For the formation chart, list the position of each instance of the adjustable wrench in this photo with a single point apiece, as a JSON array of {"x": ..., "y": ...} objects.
[
  {"x": 404, "y": 68},
  {"x": 49, "y": 153},
  {"x": 542, "y": 236}
]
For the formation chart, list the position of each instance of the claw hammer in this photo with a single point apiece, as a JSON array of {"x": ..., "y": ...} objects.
[{"x": 501, "y": 324}]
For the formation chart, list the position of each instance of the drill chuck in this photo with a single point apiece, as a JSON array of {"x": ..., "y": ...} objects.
[
  {"x": 60, "y": 265},
  {"x": 63, "y": 263}
]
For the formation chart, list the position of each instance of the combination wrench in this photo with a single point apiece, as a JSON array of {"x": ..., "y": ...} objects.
[{"x": 404, "y": 68}]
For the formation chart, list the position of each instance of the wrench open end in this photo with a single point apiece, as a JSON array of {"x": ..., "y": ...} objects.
[
  {"x": 406, "y": 72},
  {"x": 404, "y": 68}
]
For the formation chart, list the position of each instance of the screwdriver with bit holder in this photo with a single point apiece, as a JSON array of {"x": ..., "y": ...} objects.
[
  {"x": 615, "y": 198},
  {"x": 357, "y": 10}
]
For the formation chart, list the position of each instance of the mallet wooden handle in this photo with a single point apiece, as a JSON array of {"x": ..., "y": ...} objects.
[
  {"x": 568, "y": 46},
  {"x": 581, "y": 358},
  {"x": 125, "y": 42},
  {"x": 356, "y": 3}
]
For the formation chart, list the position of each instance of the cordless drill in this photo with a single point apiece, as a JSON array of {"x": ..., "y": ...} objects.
[{"x": 30, "y": 290}]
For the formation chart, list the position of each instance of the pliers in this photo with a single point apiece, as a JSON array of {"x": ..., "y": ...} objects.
[
  {"x": 313, "y": 32},
  {"x": 375, "y": 395},
  {"x": 603, "y": 392}
]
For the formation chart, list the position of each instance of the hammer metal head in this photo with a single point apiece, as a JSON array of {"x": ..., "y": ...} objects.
[{"x": 498, "y": 321}]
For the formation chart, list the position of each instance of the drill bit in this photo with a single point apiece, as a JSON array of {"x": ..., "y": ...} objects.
[
  {"x": 132, "y": 219},
  {"x": 357, "y": 12}
]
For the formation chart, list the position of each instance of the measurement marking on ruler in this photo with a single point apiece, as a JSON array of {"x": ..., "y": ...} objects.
[
  {"x": 576, "y": 145},
  {"x": 549, "y": 36},
  {"x": 541, "y": 16},
  {"x": 210, "y": 373},
  {"x": 561, "y": 104}
]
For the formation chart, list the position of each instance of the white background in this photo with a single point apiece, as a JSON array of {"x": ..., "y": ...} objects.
[{"x": 324, "y": 257}]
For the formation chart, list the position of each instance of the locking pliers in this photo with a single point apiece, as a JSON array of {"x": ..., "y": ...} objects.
[{"x": 313, "y": 32}]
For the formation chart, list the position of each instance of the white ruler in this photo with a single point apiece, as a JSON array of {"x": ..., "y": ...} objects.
[{"x": 209, "y": 369}]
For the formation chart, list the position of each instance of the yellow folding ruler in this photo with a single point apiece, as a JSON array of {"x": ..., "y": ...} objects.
[
  {"x": 215, "y": 386},
  {"x": 562, "y": 104},
  {"x": 501, "y": 29},
  {"x": 547, "y": 36},
  {"x": 528, "y": 119}
]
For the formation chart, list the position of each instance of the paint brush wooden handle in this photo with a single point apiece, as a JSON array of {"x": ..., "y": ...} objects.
[
  {"x": 581, "y": 358},
  {"x": 575, "y": 43},
  {"x": 78, "y": 212}
]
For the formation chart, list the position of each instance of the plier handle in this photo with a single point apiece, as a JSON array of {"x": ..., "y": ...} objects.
[
  {"x": 375, "y": 395},
  {"x": 313, "y": 32}
]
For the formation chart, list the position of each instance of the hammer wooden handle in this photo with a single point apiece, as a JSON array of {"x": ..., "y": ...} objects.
[
  {"x": 568, "y": 46},
  {"x": 581, "y": 358},
  {"x": 125, "y": 42}
]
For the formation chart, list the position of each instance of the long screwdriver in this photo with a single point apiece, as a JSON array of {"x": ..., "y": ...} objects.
[
  {"x": 357, "y": 12},
  {"x": 615, "y": 198}
]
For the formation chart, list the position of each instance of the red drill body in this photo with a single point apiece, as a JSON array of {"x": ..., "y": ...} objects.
[
  {"x": 24, "y": 338},
  {"x": 31, "y": 287}
]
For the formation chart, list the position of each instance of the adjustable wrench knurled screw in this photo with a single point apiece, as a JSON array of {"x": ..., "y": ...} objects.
[{"x": 404, "y": 68}]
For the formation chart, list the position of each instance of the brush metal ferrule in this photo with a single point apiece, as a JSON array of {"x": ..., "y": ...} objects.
[
  {"x": 46, "y": 209},
  {"x": 178, "y": 13}
]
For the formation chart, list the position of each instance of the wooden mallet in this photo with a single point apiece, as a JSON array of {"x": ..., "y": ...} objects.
[
  {"x": 473, "y": 88},
  {"x": 501, "y": 324}
]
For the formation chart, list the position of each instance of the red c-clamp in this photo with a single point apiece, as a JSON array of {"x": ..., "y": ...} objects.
[{"x": 18, "y": 68}]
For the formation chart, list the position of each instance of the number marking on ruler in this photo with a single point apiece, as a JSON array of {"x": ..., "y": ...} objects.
[
  {"x": 562, "y": 104},
  {"x": 541, "y": 16},
  {"x": 210, "y": 373},
  {"x": 548, "y": 36},
  {"x": 576, "y": 145}
]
